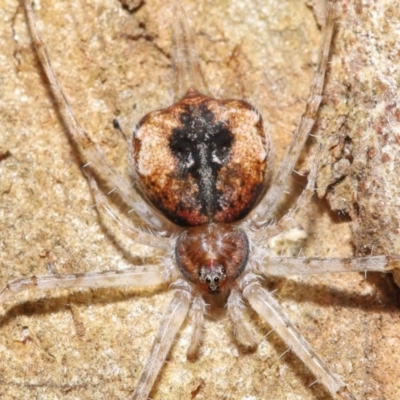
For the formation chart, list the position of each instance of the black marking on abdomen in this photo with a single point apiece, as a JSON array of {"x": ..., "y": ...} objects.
[{"x": 202, "y": 147}]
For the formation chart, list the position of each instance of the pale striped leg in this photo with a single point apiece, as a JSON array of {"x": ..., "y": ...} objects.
[
  {"x": 137, "y": 277},
  {"x": 267, "y": 207},
  {"x": 272, "y": 313},
  {"x": 241, "y": 331},
  {"x": 185, "y": 57},
  {"x": 286, "y": 266},
  {"x": 172, "y": 320},
  {"x": 126, "y": 227},
  {"x": 285, "y": 222},
  {"x": 92, "y": 153},
  {"x": 197, "y": 312}
]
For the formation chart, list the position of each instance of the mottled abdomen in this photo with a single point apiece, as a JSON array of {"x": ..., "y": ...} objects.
[{"x": 202, "y": 160}]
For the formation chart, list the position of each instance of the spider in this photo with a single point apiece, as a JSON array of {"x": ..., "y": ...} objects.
[{"x": 242, "y": 232}]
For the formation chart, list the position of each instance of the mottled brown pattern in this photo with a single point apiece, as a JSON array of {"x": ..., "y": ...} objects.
[{"x": 179, "y": 192}]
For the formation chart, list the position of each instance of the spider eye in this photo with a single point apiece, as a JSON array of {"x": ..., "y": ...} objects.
[{"x": 212, "y": 275}]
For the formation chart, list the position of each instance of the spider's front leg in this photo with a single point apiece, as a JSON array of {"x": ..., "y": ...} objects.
[
  {"x": 272, "y": 313},
  {"x": 170, "y": 324}
]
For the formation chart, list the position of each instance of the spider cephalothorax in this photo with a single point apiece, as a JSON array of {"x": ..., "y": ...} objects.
[{"x": 212, "y": 256}]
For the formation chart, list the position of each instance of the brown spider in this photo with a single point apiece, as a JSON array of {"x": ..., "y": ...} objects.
[{"x": 229, "y": 224}]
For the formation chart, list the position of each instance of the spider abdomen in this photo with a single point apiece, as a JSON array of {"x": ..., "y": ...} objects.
[{"x": 202, "y": 160}]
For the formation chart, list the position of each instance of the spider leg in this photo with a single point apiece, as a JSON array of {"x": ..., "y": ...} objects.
[
  {"x": 137, "y": 277},
  {"x": 266, "y": 209},
  {"x": 126, "y": 227},
  {"x": 272, "y": 313},
  {"x": 197, "y": 311},
  {"x": 91, "y": 152},
  {"x": 173, "y": 318},
  {"x": 288, "y": 218},
  {"x": 242, "y": 332},
  {"x": 186, "y": 60},
  {"x": 284, "y": 266}
]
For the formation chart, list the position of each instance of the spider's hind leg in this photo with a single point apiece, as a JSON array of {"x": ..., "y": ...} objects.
[
  {"x": 91, "y": 152},
  {"x": 268, "y": 205}
]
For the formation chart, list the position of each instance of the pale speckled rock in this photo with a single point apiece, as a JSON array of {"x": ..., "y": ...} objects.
[
  {"x": 359, "y": 124},
  {"x": 91, "y": 344},
  {"x": 362, "y": 108}
]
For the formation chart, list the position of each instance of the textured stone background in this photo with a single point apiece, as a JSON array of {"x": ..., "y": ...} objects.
[{"x": 115, "y": 63}]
